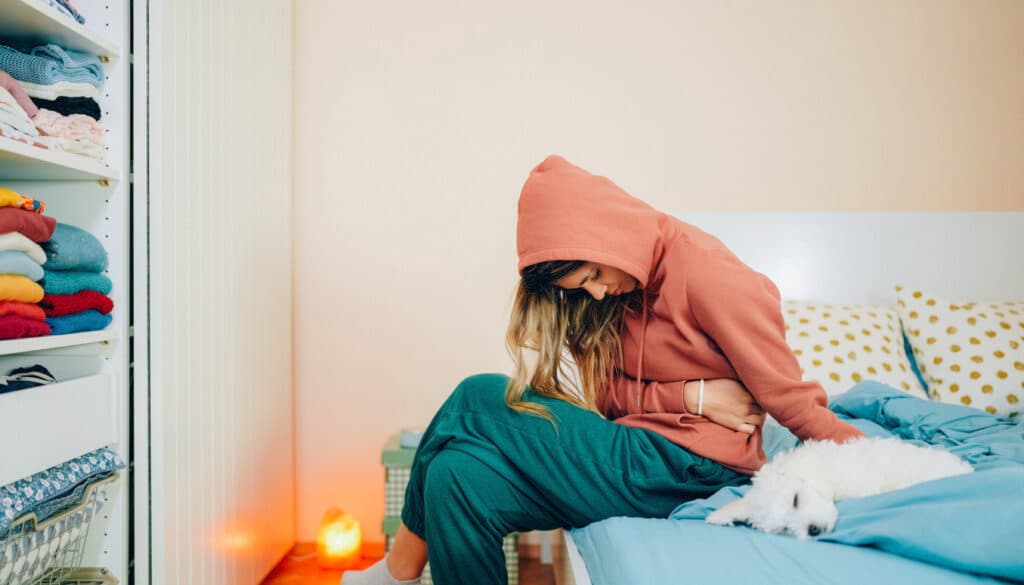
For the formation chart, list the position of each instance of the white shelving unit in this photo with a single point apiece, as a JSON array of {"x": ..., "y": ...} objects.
[
  {"x": 55, "y": 342},
  {"x": 20, "y": 161},
  {"x": 91, "y": 406},
  {"x": 39, "y": 20},
  {"x": 59, "y": 409}
]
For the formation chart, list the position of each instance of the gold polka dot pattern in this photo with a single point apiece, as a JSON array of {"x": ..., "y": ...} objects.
[
  {"x": 840, "y": 345},
  {"x": 969, "y": 352}
]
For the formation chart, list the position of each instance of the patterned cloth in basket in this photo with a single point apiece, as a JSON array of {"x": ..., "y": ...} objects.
[
  {"x": 51, "y": 552},
  {"x": 38, "y": 492}
]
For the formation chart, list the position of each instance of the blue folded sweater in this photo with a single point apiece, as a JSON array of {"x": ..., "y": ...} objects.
[
  {"x": 90, "y": 320},
  {"x": 49, "y": 64},
  {"x": 70, "y": 282},
  {"x": 72, "y": 248},
  {"x": 18, "y": 262}
]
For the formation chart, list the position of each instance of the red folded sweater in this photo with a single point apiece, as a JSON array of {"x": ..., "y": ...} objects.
[
  {"x": 26, "y": 310},
  {"x": 13, "y": 326},
  {"x": 34, "y": 226},
  {"x": 58, "y": 305}
]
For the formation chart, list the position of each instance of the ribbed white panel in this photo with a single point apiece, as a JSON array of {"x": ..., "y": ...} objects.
[{"x": 220, "y": 289}]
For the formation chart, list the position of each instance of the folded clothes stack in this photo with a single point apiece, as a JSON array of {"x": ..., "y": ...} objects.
[
  {"x": 15, "y": 121},
  {"x": 26, "y": 377},
  {"x": 49, "y": 98},
  {"x": 49, "y": 64},
  {"x": 75, "y": 290},
  {"x": 22, "y": 226},
  {"x": 13, "y": 114}
]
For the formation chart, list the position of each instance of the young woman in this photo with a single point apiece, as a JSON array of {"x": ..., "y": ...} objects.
[{"x": 661, "y": 321}]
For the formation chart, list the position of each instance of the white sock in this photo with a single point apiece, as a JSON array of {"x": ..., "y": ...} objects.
[{"x": 376, "y": 574}]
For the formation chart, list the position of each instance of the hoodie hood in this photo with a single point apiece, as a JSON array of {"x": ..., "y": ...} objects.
[{"x": 567, "y": 213}]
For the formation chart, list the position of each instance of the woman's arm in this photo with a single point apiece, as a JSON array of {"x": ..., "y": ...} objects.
[
  {"x": 726, "y": 402},
  {"x": 740, "y": 310}
]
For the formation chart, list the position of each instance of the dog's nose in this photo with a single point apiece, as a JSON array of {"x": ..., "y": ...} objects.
[{"x": 813, "y": 530}]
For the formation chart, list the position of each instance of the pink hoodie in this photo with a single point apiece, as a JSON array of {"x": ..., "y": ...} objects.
[{"x": 706, "y": 314}]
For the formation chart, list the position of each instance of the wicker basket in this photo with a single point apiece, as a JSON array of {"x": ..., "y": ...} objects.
[{"x": 50, "y": 552}]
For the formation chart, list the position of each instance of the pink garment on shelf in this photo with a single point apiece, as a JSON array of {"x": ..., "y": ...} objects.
[
  {"x": 12, "y": 114},
  {"x": 13, "y": 134},
  {"x": 73, "y": 127},
  {"x": 82, "y": 147},
  {"x": 11, "y": 84}
]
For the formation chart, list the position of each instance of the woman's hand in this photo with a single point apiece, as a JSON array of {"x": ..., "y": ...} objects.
[{"x": 726, "y": 402}]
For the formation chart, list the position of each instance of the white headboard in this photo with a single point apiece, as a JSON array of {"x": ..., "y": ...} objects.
[{"x": 847, "y": 257}]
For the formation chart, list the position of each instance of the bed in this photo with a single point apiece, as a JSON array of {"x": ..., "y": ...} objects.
[{"x": 953, "y": 373}]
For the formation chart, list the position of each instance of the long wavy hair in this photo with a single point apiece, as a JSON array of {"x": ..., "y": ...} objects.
[{"x": 560, "y": 324}]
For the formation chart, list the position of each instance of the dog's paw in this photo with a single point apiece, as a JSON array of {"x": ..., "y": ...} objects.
[
  {"x": 720, "y": 517},
  {"x": 735, "y": 511}
]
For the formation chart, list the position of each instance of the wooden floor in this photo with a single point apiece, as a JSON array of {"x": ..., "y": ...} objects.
[{"x": 300, "y": 568}]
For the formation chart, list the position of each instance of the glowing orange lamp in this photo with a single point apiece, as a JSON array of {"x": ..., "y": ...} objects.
[{"x": 338, "y": 541}]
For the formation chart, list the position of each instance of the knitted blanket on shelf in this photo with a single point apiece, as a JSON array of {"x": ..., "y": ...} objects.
[{"x": 49, "y": 64}]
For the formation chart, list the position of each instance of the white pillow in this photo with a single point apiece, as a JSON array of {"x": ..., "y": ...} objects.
[
  {"x": 969, "y": 353},
  {"x": 838, "y": 346}
]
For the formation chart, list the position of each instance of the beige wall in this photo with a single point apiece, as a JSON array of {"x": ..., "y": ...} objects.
[{"x": 417, "y": 122}]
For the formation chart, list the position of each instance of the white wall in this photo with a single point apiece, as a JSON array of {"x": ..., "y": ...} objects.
[
  {"x": 220, "y": 285},
  {"x": 416, "y": 123}
]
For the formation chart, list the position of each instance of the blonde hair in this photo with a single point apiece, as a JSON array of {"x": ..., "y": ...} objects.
[{"x": 552, "y": 322}]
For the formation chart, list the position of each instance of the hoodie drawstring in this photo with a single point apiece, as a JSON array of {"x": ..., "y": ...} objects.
[{"x": 640, "y": 361}]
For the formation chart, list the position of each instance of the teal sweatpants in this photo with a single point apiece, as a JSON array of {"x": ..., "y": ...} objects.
[{"x": 483, "y": 470}]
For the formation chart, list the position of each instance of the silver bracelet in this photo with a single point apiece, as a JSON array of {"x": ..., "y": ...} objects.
[{"x": 700, "y": 398}]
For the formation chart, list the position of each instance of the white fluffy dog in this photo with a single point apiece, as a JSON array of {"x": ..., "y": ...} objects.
[{"x": 795, "y": 493}]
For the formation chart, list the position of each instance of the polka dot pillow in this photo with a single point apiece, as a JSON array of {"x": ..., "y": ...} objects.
[
  {"x": 969, "y": 353},
  {"x": 839, "y": 346}
]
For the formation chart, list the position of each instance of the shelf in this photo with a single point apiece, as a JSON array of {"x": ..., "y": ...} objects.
[
  {"x": 20, "y": 161},
  {"x": 55, "y": 422},
  {"x": 92, "y": 576},
  {"x": 36, "y": 20},
  {"x": 13, "y": 346}
]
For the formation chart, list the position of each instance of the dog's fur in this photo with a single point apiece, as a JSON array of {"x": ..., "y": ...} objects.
[{"x": 795, "y": 493}]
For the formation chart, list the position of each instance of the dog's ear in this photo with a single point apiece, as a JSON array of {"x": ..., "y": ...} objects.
[
  {"x": 824, "y": 488},
  {"x": 735, "y": 511}
]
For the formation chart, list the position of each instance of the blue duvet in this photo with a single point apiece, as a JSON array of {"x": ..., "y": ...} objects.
[{"x": 965, "y": 529}]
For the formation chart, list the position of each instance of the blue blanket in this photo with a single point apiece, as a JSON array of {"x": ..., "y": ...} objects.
[
  {"x": 964, "y": 529},
  {"x": 49, "y": 64}
]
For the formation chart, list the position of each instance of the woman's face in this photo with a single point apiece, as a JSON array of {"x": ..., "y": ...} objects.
[{"x": 598, "y": 280}]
